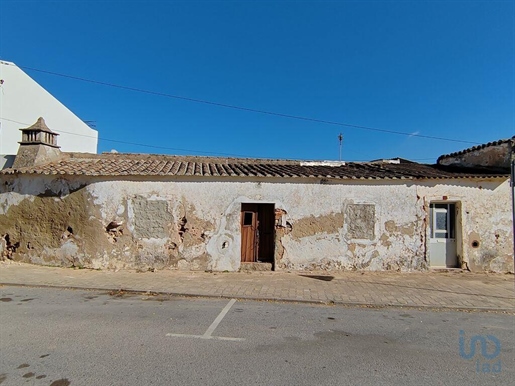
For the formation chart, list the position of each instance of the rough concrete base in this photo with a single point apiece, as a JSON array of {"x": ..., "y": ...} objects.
[{"x": 256, "y": 267}]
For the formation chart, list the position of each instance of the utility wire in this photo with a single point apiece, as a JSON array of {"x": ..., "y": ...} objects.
[
  {"x": 170, "y": 148},
  {"x": 134, "y": 143},
  {"x": 241, "y": 108}
]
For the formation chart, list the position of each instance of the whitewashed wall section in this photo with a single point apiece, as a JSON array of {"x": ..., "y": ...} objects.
[{"x": 196, "y": 224}]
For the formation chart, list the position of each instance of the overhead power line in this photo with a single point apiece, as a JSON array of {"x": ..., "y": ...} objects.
[
  {"x": 134, "y": 143},
  {"x": 241, "y": 108},
  {"x": 166, "y": 147}
]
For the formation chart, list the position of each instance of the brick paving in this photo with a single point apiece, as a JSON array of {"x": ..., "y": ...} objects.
[{"x": 446, "y": 290}]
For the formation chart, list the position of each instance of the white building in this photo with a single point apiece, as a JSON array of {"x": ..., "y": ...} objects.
[{"x": 22, "y": 102}]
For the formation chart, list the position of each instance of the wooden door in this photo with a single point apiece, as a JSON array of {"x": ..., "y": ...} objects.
[{"x": 249, "y": 236}]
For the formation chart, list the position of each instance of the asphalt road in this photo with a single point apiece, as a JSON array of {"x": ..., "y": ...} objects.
[{"x": 64, "y": 337}]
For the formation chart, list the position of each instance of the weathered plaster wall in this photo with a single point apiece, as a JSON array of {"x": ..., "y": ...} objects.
[
  {"x": 484, "y": 213},
  {"x": 345, "y": 227},
  {"x": 195, "y": 224}
]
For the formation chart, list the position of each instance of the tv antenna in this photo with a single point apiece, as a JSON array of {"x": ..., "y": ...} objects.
[{"x": 340, "y": 139}]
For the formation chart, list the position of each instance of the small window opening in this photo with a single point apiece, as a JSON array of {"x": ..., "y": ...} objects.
[{"x": 247, "y": 218}]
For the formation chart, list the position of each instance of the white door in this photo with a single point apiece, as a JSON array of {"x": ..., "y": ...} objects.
[{"x": 442, "y": 243}]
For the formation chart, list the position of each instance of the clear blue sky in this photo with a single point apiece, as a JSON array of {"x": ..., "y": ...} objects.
[{"x": 434, "y": 68}]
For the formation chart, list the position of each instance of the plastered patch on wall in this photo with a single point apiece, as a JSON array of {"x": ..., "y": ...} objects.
[
  {"x": 408, "y": 229},
  {"x": 310, "y": 226},
  {"x": 360, "y": 220},
  {"x": 150, "y": 218}
]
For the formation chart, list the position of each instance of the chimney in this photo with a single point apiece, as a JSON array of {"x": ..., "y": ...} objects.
[{"x": 38, "y": 146}]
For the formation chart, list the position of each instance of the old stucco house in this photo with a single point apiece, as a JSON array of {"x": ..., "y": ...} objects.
[{"x": 202, "y": 213}]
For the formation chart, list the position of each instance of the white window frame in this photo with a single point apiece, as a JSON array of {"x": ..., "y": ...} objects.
[{"x": 450, "y": 209}]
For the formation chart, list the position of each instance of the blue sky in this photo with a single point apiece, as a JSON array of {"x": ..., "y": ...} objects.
[{"x": 432, "y": 68}]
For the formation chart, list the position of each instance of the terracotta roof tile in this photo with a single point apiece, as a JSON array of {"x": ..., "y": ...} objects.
[{"x": 120, "y": 164}]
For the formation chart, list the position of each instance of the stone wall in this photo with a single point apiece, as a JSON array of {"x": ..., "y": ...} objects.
[{"x": 194, "y": 224}]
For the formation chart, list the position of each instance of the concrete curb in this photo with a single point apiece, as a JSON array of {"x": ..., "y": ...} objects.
[{"x": 272, "y": 299}]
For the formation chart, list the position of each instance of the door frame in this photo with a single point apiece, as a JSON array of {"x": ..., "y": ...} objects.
[
  {"x": 263, "y": 234},
  {"x": 456, "y": 222}
]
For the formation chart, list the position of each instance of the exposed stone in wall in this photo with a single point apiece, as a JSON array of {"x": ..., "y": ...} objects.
[
  {"x": 7, "y": 248},
  {"x": 191, "y": 237},
  {"x": 282, "y": 228},
  {"x": 193, "y": 230},
  {"x": 44, "y": 224},
  {"x": 114, "y": 230},
  {"x": 176, "y": 238},
  {"x": 360, "y": 220}
]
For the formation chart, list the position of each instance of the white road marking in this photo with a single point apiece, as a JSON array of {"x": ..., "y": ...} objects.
[
  {"x": 209, "y": 332},
  {"x": 219, "y": 318},
  {"x": 206, "y": 337}
]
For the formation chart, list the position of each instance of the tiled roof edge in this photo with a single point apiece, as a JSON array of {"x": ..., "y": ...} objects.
[
  {"x": 461, "y": 173},
  {"x": 190, "y": 158},
  {"x": 474, "y": 148}
]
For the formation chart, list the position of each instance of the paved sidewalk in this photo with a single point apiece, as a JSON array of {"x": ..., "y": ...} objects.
[{"x": 448, "y": 290}]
